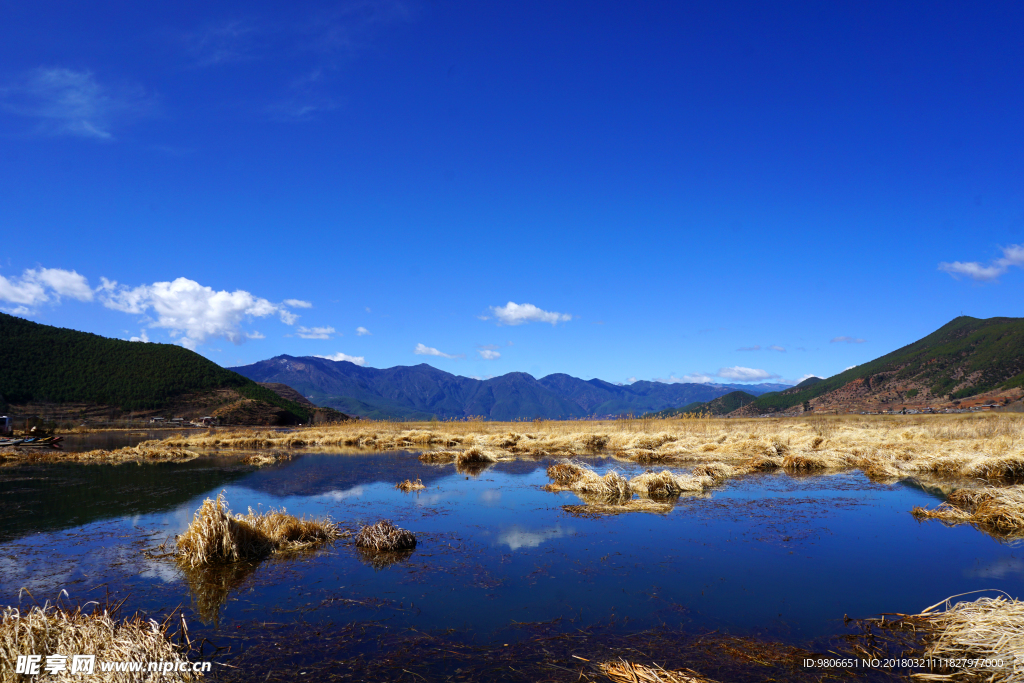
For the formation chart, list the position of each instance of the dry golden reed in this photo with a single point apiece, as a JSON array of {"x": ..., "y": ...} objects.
[
  {"x": 999, "y": 511},
  {"x": 55, "y": 630},
  {"x": 621, "y": 671},
  {"x": 385, "y": 536},
  {"x": 408, "y": 485},
  {"x": 987, "y": 628},
  {"x": 216, "y": 536}
]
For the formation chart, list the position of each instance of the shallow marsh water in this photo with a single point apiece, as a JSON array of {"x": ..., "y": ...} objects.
[{"x": 773, "y": 556}]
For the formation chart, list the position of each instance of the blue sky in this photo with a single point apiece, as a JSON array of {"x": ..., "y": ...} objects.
[{"x": 715, "y": 191}]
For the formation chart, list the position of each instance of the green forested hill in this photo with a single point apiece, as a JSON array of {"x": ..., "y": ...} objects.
[
  {"x": 967, "y": 356},
  {"x": 52, "y": 364}
]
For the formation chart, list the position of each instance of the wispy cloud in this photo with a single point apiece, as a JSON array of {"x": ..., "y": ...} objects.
[
  {"x": 517, "y": 314},
  {"x": 741, "y": 374},
  {"x": 736, "y": 373},
  {"x": 315, "y": 332},
  {"x": 488, "y": 354},
  {"x": 308, "y": 51},
  {"x": 847, "y": 340},
  {"x": 775, "y": 347},
  {"x": 362, "y": 332},
  {"x": 1013, "y": 255},
  {"x": 68, "y": 102},
  {"x": 358, "y": 360},
  {"x": 756, "y": 347},
  {"x": 191, "y": 312},
  {"x": 692, "y": 378},
  {"x": 233, "y": 41},
  {"x": 422, "y": 350},
  {"x": 516, "y": 537},
  {"x": 44, "y": 285},
  {"x": 297, "y": 303}
]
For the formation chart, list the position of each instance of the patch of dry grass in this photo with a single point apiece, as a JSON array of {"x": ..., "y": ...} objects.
[
  {"x": 385, "y": 536},
  {"x": 215, "y": 536},
  {"x": 621, "y": 671},
  {"x": 55, "y": 630},
  {"x": 599, "y": 508},
  {"x": 999, "y": 511},
  {"x": 987, "y": 628},
  {"x": 408, "y": 485},
  {"x": 261, "y": 460},
  {"x": 664, "y": 484}
]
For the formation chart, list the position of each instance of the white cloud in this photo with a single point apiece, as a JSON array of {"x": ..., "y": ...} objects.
[
  {"x": 191, "y": 311},
  {"x": 297, "y": 303},
  {"x": 18, "y": 310},
  {"x": 143, "y": 337},
  {"x": 516, "y": 537},
  {"x": 631, "y": 380},
  {"x": 517, "y": 314},
  {"x": 315, "y": 332},
  {"x": 255, "y": 334},
  {"x": 68, "y": 102},
  {"x": 756, "y": 347},
  {"x": 848, "y": 340},
  {"x": 362, "y": 332},
  {"x": 358, "y": 360},
  {"x": 694, "y": 378},
  {"x": 807, "y": 376},
  {"x": 422, "y": 350},
  {"x": 741, "y": 374},
  {"x": 1013, "y": 255},
  {"x": 339, "y": 495},
  {"x": 736, "y": 373},
  {"x": 774, "y": 347},
  {"x": 488, "y": 354},
  {"x": 43, "y": 285}
]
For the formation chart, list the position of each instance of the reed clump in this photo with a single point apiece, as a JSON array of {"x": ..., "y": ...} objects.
[
  {"x": 261, "y": 460},
  {"x": 56, "y": 630},
  {"x": 385, "y": 536},
  {"x": 987, "y": 628},
  {"x": 665, "y": 484},
  {"x": 600, "y": 508},
  {"x": 409, "y": 485},
  {"x": 997, "y": 510},
  {"x": 215, "y": 536}
]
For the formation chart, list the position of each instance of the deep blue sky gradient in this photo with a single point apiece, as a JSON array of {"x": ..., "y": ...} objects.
[{"x": 684, "y": 179}]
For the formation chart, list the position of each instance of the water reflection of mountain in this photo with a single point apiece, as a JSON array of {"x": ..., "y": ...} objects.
[
  {"x": 314, "y": 474},
  {"x": 48, "y": 497}
]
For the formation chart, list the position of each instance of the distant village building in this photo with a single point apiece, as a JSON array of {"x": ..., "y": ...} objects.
[{"x": 6, "y": 425}]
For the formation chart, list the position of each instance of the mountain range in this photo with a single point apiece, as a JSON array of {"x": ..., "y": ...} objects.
[
  {"x": 966, "y": 362},
  {"x": 422, "y": 392}
]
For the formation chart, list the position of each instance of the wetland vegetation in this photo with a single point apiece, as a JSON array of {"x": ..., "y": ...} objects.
[{"x": 514, "y": 553}]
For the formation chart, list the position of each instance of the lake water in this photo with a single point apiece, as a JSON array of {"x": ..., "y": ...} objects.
[{"x": 499, "y": 566}]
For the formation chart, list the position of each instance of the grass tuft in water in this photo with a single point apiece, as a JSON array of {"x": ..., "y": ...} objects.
[
  {"x": 215, "y": 536},
  {"x": 385, "y": 536}
]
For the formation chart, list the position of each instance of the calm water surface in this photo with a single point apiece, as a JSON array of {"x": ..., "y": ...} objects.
[{"x": 771, "y": 555}]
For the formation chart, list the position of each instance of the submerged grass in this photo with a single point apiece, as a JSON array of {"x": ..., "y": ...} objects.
[
  {"x": 621, "y": 671},
  {"x": 215, "y": 536},
  {"x": 56, "y": 630}
]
